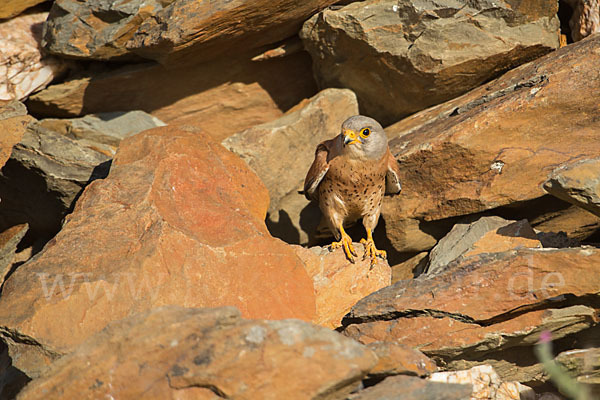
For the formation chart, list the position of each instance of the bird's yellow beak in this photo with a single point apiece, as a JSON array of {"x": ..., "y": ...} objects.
[{"x": 350, "y": 137}]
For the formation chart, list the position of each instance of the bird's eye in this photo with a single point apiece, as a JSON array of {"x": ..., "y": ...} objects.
[{"x": 365, "y": 132}]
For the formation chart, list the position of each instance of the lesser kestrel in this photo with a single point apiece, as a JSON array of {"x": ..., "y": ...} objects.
[{"x": 348, "y": 178}]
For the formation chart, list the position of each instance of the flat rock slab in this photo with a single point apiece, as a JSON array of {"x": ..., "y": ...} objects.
[
  {"x": 13, "y": 123},
  {"x": 176, "y": 353},
  {"x": 412, "y": 388},
  {"x": 179, "y": 220}
]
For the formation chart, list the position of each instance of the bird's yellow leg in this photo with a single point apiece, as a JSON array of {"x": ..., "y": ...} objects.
[
  {"x": 370, "y": 249},
  {"x": 346, "y": 243}
]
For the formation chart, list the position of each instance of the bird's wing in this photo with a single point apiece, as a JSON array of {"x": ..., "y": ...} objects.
[
  {"x": 392, "y": 176},
  {"x": 318, "y": 169}
]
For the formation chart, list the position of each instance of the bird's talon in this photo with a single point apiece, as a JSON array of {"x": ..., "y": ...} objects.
[{"x": 346, "y": 244}]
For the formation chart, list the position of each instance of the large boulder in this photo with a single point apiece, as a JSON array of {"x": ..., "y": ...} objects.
[
  {"x": 281, "y": 151},
  {"x": 179, "y": 353},
  {"x": 220, "y": 98},
  {"x": 24, "y": 67},
  {"x": 179, "y": 220},
  {"x": 494, "y": 147},
  {"x": 169, "y": 31},
  {"x": 401, "y": 57},
  {"x": 489, "y": 308}
]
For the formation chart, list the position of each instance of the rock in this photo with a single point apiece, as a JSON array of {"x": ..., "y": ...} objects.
[
  {"x": 175, "y": 353},
  {"x": 104, "y": 128},
  {"x": 11, "y": 8},
  {"x": 486, "y": 384},
  {"x": 577, "y": 183},
  {"x": 471, "y": 154},
  {"x": 42, "y": 179},
  {"x": 411, "y": 388},
  {"x": 584, "y": 365},
  {"x": 9, "y": 240},
  {"x": 13, "y": 123},
  {"x": 338, "y": 283},
  {"x": 558, "y": 240},
  {"x": 220, "y": 98},
  {"x": 281, "y": 151},
  {"x": 400, "y": 58},
  {"x": 398, "y": 359},
  {"x": 488, "y": 308},
  {"x": 24, "y": 68},
  {"x": 173, "y": 31},
  {"x": 585, "y": 19},
  {"x": 179, "y": 220},
  {"x": 482, "y": 235},
  {"x": 410, "y": 268}
]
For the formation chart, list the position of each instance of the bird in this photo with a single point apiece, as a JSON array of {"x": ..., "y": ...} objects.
[{"x": 348, "y": 178}]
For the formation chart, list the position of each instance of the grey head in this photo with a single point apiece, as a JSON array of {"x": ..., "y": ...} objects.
[{"x": 363, "y": 138}]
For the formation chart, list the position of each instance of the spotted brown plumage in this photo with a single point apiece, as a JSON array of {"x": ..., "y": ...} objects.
[{"x": 349, "y": 177}]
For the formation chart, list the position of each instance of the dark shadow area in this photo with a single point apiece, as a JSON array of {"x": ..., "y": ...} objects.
[
  {"x": 565, "y": 12},
  {"x": 150, "y": 86},
  {"x": 12, "y": 380},
  {"x": 284, "y": 228}
]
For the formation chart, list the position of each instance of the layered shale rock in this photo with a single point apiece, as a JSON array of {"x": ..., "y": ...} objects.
[
  {"x": 489, "y": 308},
  {"x": 170, "y": 31},
  {"x": 179, "y": 220},
  {"x": 495, "y": 146},
  {"x": 578, "y": 183},
  {"x": 401, "y": 57},
  {"x": 175, "y": 353}
]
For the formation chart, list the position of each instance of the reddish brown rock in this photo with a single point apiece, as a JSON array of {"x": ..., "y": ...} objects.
[
  {"x": 13, "y": 123},
  {"x": 585, "y": 20},
  {"x": 488, "y": 307},
  {"x": 24, "y": 67},
  {"x": 9, "y": 239},
  {"x": 219, "y": 98},
  {"x": 398, "y": 359},
  {"x": 178, "y": 353},
  {"x": 179, "y": 220},
  {"x": 338, "y": 283},
  {"x": 496, "y": 145}
]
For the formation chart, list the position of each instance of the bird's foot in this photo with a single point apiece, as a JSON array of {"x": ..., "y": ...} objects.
[
  {"x": 346, "y": 244},
  {"x": 371, "y": 251}
]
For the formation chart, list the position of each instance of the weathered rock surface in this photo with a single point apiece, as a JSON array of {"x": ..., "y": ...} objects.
[
  {"x": 585, "y": 19},
  {"x": 486, "y": 384},
  {"x": 488, "y": 308},
  {"x": 281, "y": 151},
  {"x": 410, "y": 268},
  {"x": 24, "y": 68},
  {"x": 584, "y": 365},
  {"x": 42, "y": 179},
  {"x": 11, "y": 8},
  {"x": 400, "y": 58},
  {"x": 9, "y": 239},
  {"x": 179, "y": 220},
  {"x": 484, "y": 235},
  {"x": 175, "y": 30},
  {"x": 496, "y": 145},
  {"x": 220, "y": 98},
  {"x": 397, "y": 359},
  {"x": 412, "y": 388},
  {"x": 177, "y": 353},
  {"x": 95, "y": 130},
  {"x": 338, "y": 283},
  {"x": 578, "y": 183},
  {"x": 13, "y": 123}
]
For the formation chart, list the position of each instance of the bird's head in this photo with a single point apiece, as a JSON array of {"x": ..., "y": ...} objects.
[{"x": 363, "y": 137}]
